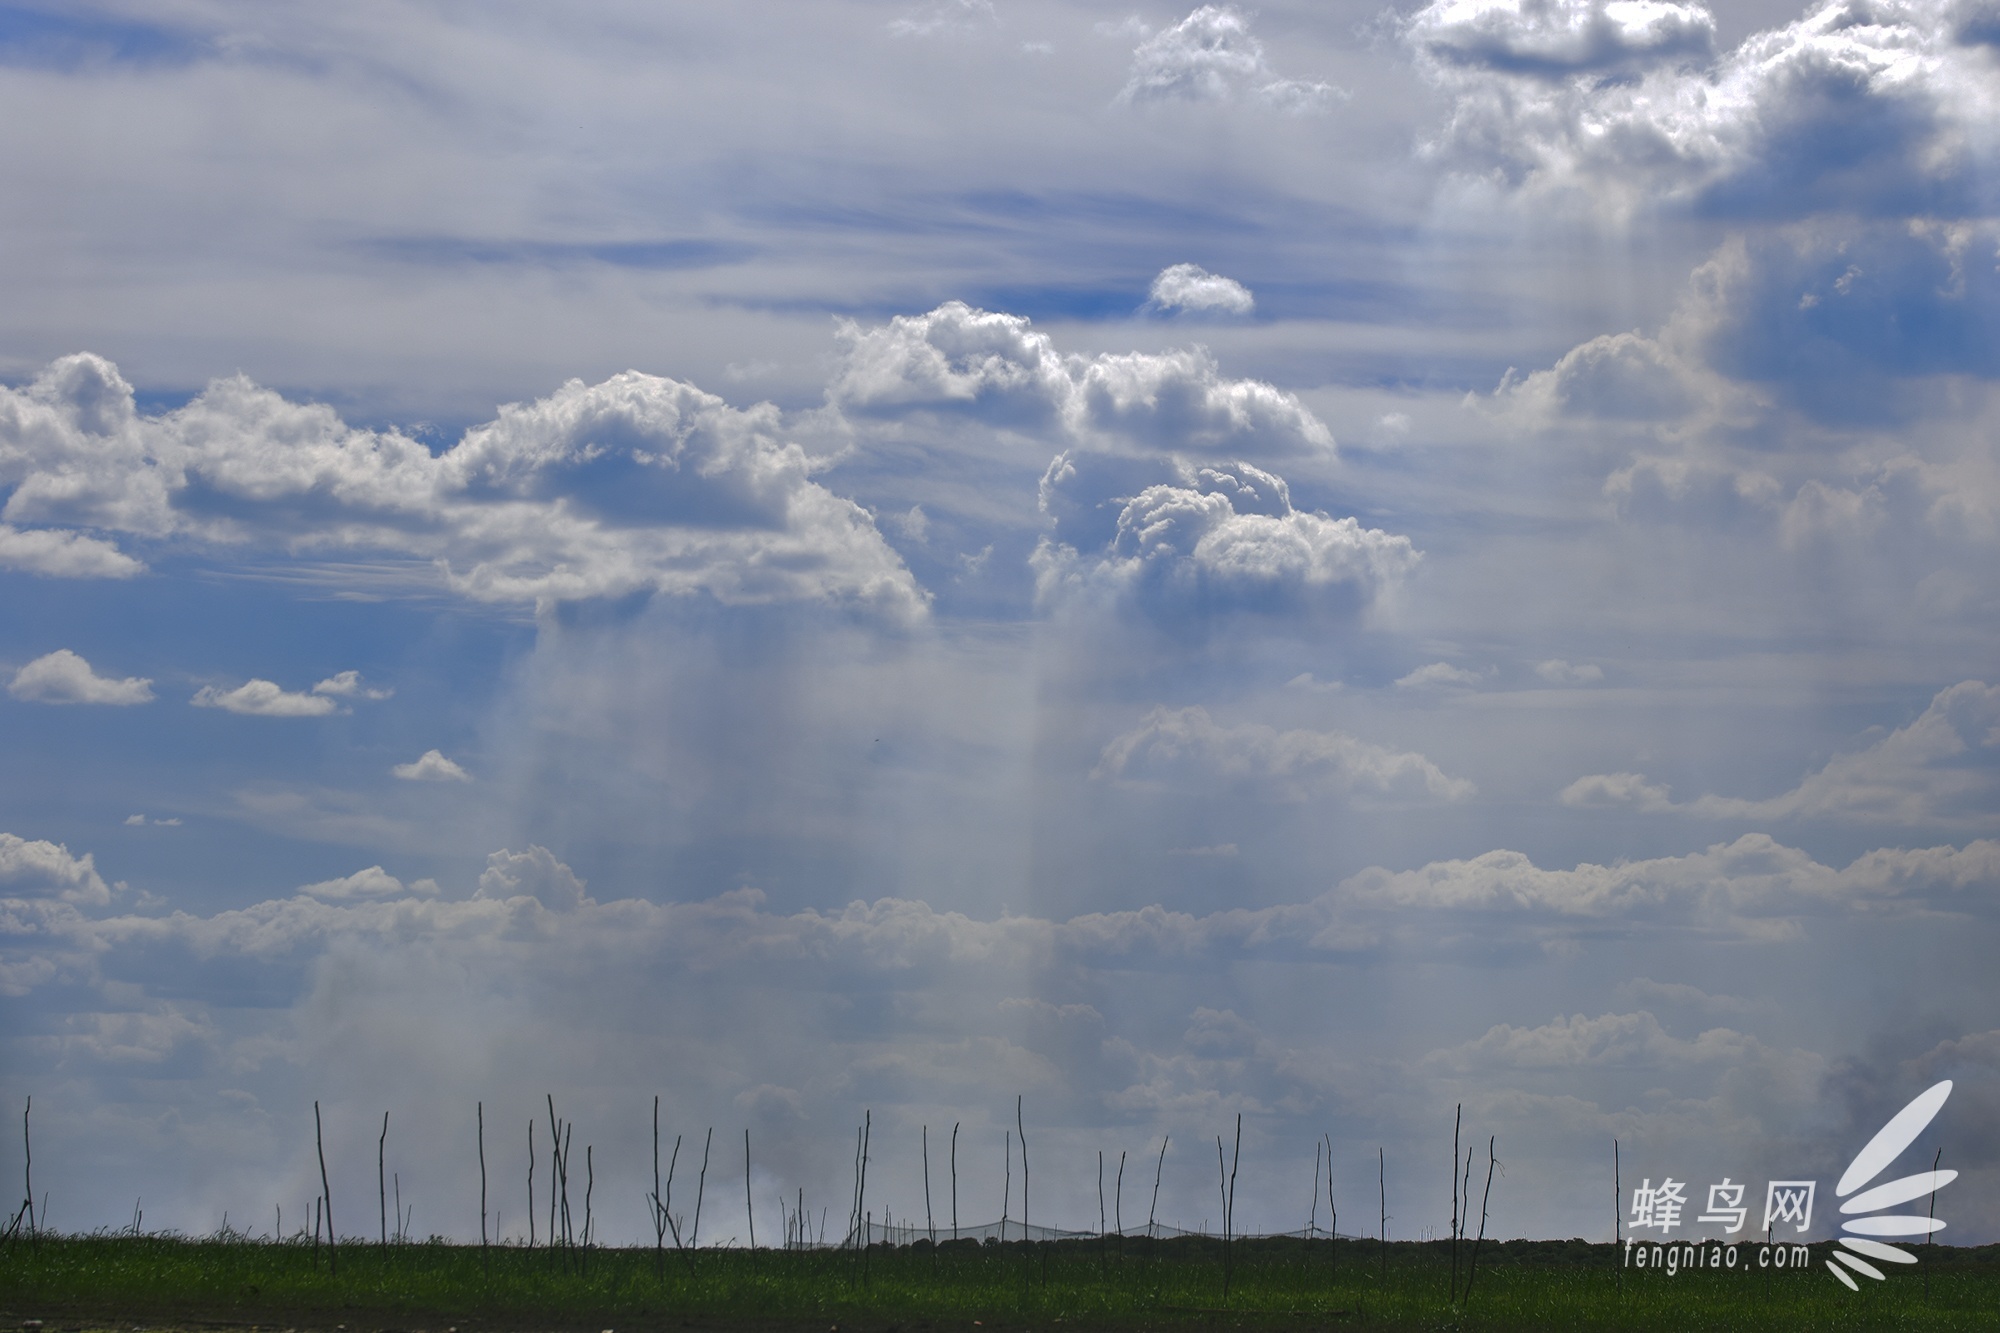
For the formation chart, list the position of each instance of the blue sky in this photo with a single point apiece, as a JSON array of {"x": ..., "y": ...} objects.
[{"x": 1325, "y": 563}]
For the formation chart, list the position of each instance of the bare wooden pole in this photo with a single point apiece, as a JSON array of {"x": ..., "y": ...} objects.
[
  {"x": 325, "y": 1192},
  {"x": 28, "y": 1167},
  {"x": 954, "y": 1180},
  {"x": 1930, "y": 1240},
  {"x": 1007, "y": 1185},
  {"x": 1473, "y": 1267},
  {"x": 1158, "y": 1167},
  {"x": 748, "y": 1212},
  {"x": 531, "y": 1182},
  {"x": 1456, "y": 1119},
  {"x": 659, "y": 1229},
  {"x": 1382, "y": 1184},
  {"x": 381, "y": 1188},
  {"x": 1312, "y": 1217},
  {"x": 482, "y": 1180},
  {"x": 1118, "y": 1201},
  {"x": 1020, "y": 1128},
  {"x": 929, "y": 1224},
  {"x": 701, "y": 1189}
]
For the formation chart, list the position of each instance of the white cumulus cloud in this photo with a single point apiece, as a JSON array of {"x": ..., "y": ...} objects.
[
  {"x": 637, "y": 484},
  {"x": 1941, "y": 769},
  {"x": 263, "y": 698},
  {"x": 431, "y": 766},
  {"x": 996, "y": 368},
  {"x": 349, "y": 685},
  {"x": 1438, "y": 676},
  {"x": 58, "y": 553},
  {"x": 1882, "y": 106},
  {"x": 63, "y": 677},
  {"x": 36, "y": 869},
  {"x": 1187, "y": 744},
  {"x": 1192, "y": 287},
  {"x": 535, "y": 874},
  {"x": 1212, "y": 56},
  {"x": 1226, "y": 537},
  {"x": 374, "y": 882}
]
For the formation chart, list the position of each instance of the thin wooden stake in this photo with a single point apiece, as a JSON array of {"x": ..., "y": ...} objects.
[
  {"x": 381, "y": 1187},
  {"x": 1473, "y": 1268},
  {"x": 325, "y": 1193},
  {"x": 482, "y": 1182}
]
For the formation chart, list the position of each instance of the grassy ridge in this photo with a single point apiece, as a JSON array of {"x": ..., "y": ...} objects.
[{"x": 80, "y": 1280}]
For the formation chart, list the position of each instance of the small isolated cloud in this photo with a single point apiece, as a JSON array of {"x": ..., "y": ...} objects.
[
  {"x": 431, "y": 767},
  {"x": 1193, "y": 288},
  {"x": 374, "y": 882},
  {"x": 61, "y": 554},
  {"x": 348, "y": 685},
  {"x": 1211, "y": 56},
  {"x": 1558, "y": 672},
  {"x": 1616, "y": 791},
  {"x": 1222, "y": 850},
  {"x": 140, "y": 821},
  {"x": 1226, "y": 538},
  {"x": 953, "y": 17},
  {"x": 1186, "y": 745},
  {"x": 63, "y": 677},
  {"x": 263, "y": 698},
  {"x": 36, "y": 869},
  {"x": 1439, "y": 676},
  {"x": 1941, "y": 769},
  {"x": 535, "y": 874}
]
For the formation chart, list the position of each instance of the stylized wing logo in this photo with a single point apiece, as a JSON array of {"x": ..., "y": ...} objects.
[{"x": 1871, "y": 1162}]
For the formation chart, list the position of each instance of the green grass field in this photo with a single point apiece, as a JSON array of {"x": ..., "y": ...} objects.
[{"x": 102, "y": 1281}]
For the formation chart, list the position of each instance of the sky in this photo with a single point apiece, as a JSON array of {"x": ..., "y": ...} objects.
[{"x": 1327, "y": 563}]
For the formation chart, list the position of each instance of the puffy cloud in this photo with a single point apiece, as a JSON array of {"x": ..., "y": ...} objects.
[
  {"x": 63, "y": 677},
  {"x": 348, "y": 685},
  {"x": 1617, "y": 1041},
  {"x": 1616, "y": 791},
  {"x": 1192, "y": 287},
  {"x": 1554, "y": 39},
  {"x": 1211, "y": 56},
  {"x": 1187, "y": 745},
  {"x": 1753, "y": 886},
  {"x": 1616, "y": 377},
  {"x": 374, "y": 882},
  {"x": 35, "y": 869},
  {"x": 1438, "y": 676},
  {"x": 1225, "y": 538},
  {"x": 995, "y": 368},
  {"x": 1941, "y": 769},
  {"x": 1873, "y": 107},
  {"x": 637, "y": 484},
  {"x": 263, "y": 698},
  {"x": 1558, "y": 672},
  {"x": 431, "y": 766},
  {"x": 535, "y": 874},
  {"x": 58, "y": 553}
]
